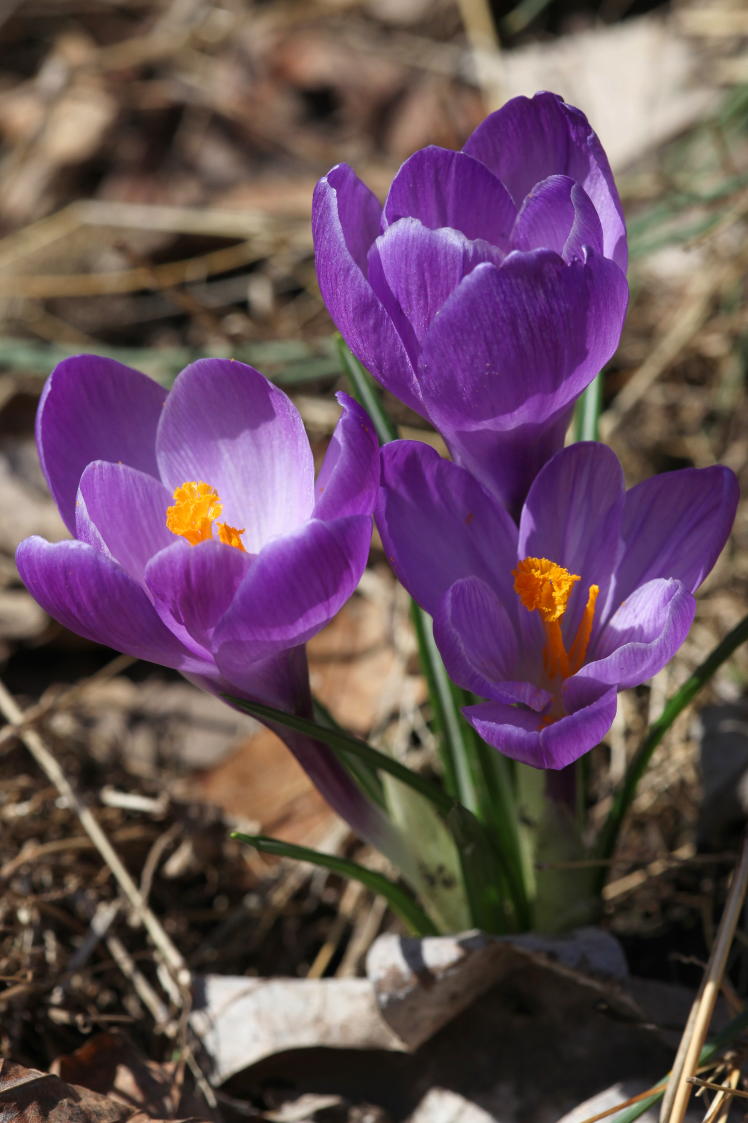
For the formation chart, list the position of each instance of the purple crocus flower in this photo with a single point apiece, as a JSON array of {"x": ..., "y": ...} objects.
[
  {"x": 201, "y": 541},
  {"x": 591, "y": 593},
  {"x": 489, "y": 290}
]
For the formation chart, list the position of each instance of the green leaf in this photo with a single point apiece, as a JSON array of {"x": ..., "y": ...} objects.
[
  {"x": 436, "y": 877},
  {"x": 483, "y": 871},
  {"x": 365, "y": 775},
  {"x": 397, "y": 898},
  {"x": 366, "y": 393},
  {"x": 638, "y": 764},
  {"x": 342, "y": 742},
  {"x": 587, "y": 411}
]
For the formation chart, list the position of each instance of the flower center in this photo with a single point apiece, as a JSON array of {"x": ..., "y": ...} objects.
[
  {"x": 196, "y": 507},
  {"x": 545, "y": 588}
]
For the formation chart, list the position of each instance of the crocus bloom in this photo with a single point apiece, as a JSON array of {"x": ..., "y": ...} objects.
[
  {"x": 489, "y": 290},
  {"x": 201, "y": 540},
  {"x": 546, "y": 621}
]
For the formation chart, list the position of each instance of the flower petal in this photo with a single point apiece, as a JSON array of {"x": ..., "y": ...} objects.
[
  {"x": 572, "y": 515},
  {"x": 642, "y": 635},
  {"x": 422, "y": 267},
  {"x": 128, "y": 510},
  {"x": 529, "y": 139},
  {"x": 508, "y": 354},
  {"x": 478, "y": 642},
  {"x": 92, "y": 596},
  {"x": 675, "y": 525},
  {"x": 558, "y": 215},
  {"x": 193, "y": 586},
  {"x": 349, "y": 477},
  {"x": 225, "y": 424},
  {"x": 343, "y": 228},
  {"x": 94, "y": 408},
  {"x": 439, "y": 525},
  {"x": 517, "y": 734},
  {"x": 515, "y": 344},
  {"x": 295, "y": 587},
  {"x": 445, "y": 188}
]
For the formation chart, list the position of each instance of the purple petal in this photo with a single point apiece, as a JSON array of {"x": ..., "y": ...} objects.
[
  {"x": 572, "y": 515},
  {"x": 444, "y": 188},
  {"x": 92, "y": 596},
  {"x": 514, "y": 345},
  {"x": 93, "y": 408},
  {"x": 438, "y": 525},
  {"x": 127, "y": 508},
  {"x": 226, "y": 425},
  {"x": 343, "y": 228},
  {"x": 675, "y": 525},
  {"x": 642, "y": 635},
  {"x": 529, "y": 139},
  {"x": 421, "y": 268},
  {"x": 193, "y": 586},
  {"x": 558, "y": 215},
  {"x": 506, "y": 461},
  {"x": 510, "y": 351},
  {"x": 349, "y": 477},
  {"x": 295, "y": 587},
  {"x": 477, "y": 639},
  {"x": 517, "y": 734}
]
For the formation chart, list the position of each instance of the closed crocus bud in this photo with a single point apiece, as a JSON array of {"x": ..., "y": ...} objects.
[
  {"x": 490, "y": 289},
  {"x": 201, "y": 540}
]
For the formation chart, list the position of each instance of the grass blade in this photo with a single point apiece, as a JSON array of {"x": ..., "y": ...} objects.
[
  {"x": 343, "y": 743},
  {"x": 366, "y": 393},
  {"x": 397, "y": 898}
]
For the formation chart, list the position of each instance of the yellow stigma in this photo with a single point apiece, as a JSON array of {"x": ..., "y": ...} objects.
[
  {"x": 545, "y": 588},
  {"x": 196, "y": 507}
]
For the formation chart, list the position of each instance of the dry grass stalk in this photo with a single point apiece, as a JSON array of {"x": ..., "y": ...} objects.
[
  {"x": 678, "y": 1091},
  {"x": 177, "y": 972},
  {"x": 720, "y": 1106},
  {"x": 687, "y": 320},
  {"x": 625, "y": 1103}
]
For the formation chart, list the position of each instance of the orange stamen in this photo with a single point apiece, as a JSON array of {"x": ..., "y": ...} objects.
[
  {"x": 578, "y": 650},
  {"x": 196, "y": 507},
  {"x": 545, "y": 587},
  {"x": 230, "y": 535}
]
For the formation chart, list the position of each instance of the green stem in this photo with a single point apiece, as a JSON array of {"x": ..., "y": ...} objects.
[
  {"x": 498, "y": 813},
  {"x": 399, "y": 901},
  {"x": 444, "y": 713},
  {"x": 587, "y": 411},
  {"x": 675, "y": 706},
  {"x": 366, "y": 393}
]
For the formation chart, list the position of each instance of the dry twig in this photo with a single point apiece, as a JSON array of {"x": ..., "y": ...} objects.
[{"x": 678, "y": 1091}]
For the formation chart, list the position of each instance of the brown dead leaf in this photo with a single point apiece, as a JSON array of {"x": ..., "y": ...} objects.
[
  {"x": 262, "y": 783},
  {"x": 30, "y": 1096},
  {"x": 110, "y": 1064},
  {"x": 356, "y": 669}
]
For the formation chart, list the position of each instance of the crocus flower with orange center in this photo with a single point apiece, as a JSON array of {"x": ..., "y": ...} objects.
[
  {"x": 547, "y": 619},
  {"x": 144, "y": 481}
]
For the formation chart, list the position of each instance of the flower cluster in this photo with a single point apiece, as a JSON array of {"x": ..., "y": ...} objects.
[{"x": 486, "y": 293}]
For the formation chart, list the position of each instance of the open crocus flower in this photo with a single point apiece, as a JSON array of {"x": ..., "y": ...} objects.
[
  {"x": 201, "y": 541},
  {"x": 591, "y": 593},
  {"x": 489, "y": 290}
]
